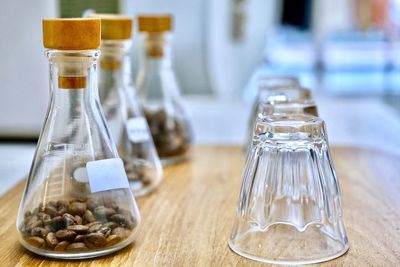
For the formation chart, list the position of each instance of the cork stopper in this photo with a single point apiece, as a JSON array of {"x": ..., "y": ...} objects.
[
  {"x": 108, "y": 63},
  {"x": 71, "y": 34},
  {"x": 74, "y": 82},
  {"x": 115, "y": 27},
  {"x": 155, "y": 23}
]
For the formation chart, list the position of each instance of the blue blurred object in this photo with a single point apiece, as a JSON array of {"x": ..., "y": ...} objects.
[
  {"x": 355, "y": 51},
  {"x": 354, "y": 63}
]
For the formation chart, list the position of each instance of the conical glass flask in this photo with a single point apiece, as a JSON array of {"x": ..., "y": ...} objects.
[
  {"x": 289, "y": 211},
  {"x": 77, "y": 202},
  {"x": 159, "y": 92},
  {"x": 122, "y": 110}
]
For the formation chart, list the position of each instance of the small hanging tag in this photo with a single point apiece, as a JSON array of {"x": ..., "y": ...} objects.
[
  {"x": 137, "y": 130},
  {"x": 106, "y": 174}
]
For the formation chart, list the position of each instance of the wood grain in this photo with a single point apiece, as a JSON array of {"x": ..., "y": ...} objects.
[{"x": 188, "y": 220}]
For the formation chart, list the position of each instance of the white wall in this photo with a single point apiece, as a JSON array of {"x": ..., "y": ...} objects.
[
  {"x": 231, "y": 63},
  {"x": 23, "y": 66}
]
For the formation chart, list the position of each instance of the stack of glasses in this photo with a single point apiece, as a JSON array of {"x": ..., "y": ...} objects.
[{"x": 289, "y": 211}]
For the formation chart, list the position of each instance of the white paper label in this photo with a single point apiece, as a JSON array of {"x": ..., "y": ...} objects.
[
  {"x": 106, "y": 174},
  {"x": 137, "y": 130}
]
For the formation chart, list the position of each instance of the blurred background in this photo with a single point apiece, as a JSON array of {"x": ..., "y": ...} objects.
[{"x": 346, "y": 51}]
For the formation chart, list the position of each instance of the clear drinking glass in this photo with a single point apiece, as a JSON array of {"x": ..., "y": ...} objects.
[
  {"x": 265, "y": 82},
  {"x": 121, "y": 107},
  {"x": 292, "y": 99},
  {"x": 289, "y": 210},
  {"x": 77, "y": 202},
  {"x": 301, "y": 106},
  {"x": 159, "y": 92}
]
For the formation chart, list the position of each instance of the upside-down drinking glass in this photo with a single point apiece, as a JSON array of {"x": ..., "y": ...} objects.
[{"x": 289, "y": 210}]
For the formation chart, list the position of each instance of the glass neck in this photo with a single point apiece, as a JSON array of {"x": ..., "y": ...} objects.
[
  {"x": 115, "y": 64},
  {"x": 73, "y": 81},
  {"x": 156, "y": 53}
]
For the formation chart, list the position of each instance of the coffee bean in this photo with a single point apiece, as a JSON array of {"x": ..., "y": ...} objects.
[
  {"x": 118, "y": 218},
  {"x": 61, "y": 246},
  {"x": 62, "y": 203},
  {"x": 65, "y": 235},
  {"x": 78, "y": 219},
  {"x": 94, "y": 227},
  {"x": 51, "y": 240},
  {"x": 57, "y": 223},
  {"x": 88, "y": 217},
  {"x": 102, "y": 212},
  {"x": 50, "y": 210},
  {"x": 49, "y": 228},
  {"x": 123, "y": 221},
  {"x": 32, "y": 223},
  {"x": 93, "y": 223},
  {"x": 95, "y": 240},
  {"x": 112, "y": 240},
  {"x": 79, "y": 238},
  {"x": 126, "y": 213},
  {"x": 92, "y": 203},
  {"x": 77, "y": 208},
  {"x": 39, "y": 231},
  {"x": 111, "y": 225},
  {"x": 110, "y": 203},
  {"x": 35, "y": 211},
  {"x": 44, "y": 216},
  {"x": 52, "y": 203},
  {"x": 77, "y": 247},
  {"x": 119, "y": 231},
  {"x": 68, "y": 219},
  {"x": 27, "y": 214},
  {"x": 41, "y": 207},
  {"x": 106, "y": 231},
  {"x": 35, "y": 241},
  {"x": 61, "y": 210},
  {"x": 79, "y": 229}
]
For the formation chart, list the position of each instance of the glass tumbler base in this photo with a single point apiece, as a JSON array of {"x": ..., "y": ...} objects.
[
  {"x": 286, "y": 262},
  {"x": 285, "y": 244}
]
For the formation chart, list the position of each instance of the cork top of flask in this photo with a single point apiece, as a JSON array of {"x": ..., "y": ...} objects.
[
  {"x": 71, "y": 34},
  {"x": 155, "y": 23},
  {"x": 114, "y": 26}
]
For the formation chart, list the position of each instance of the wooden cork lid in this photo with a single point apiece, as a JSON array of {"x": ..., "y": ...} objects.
[
  {"x": 115, "y": 27},
  {"x": 71, "y": 34},
  {"x": 155, "y": 23}
]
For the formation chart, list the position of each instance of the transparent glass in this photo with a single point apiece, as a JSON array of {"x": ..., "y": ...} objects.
[
  {"x": 125, "y": 118},
  {"x": 265, "y": 82},
  {"x": 162, "y": 103},
  {"x": 61, "y": 215},
  {"x": 289, "y": 210},
  {"x": 281, "y": 99}
]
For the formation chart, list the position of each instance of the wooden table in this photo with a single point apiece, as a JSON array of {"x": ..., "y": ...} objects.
[{"x": 188, "y": 220}]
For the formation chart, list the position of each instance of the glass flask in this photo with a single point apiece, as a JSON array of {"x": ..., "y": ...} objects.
[
  {"x": 123, "y": 112},
  {"x": 289, "y": 211},
  {"x": 77, "y": 202},
  {"x": 159, "y": 92}
]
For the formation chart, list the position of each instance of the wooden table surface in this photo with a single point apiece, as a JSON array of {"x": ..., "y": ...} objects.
[{"x": 188, "y": 220}]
